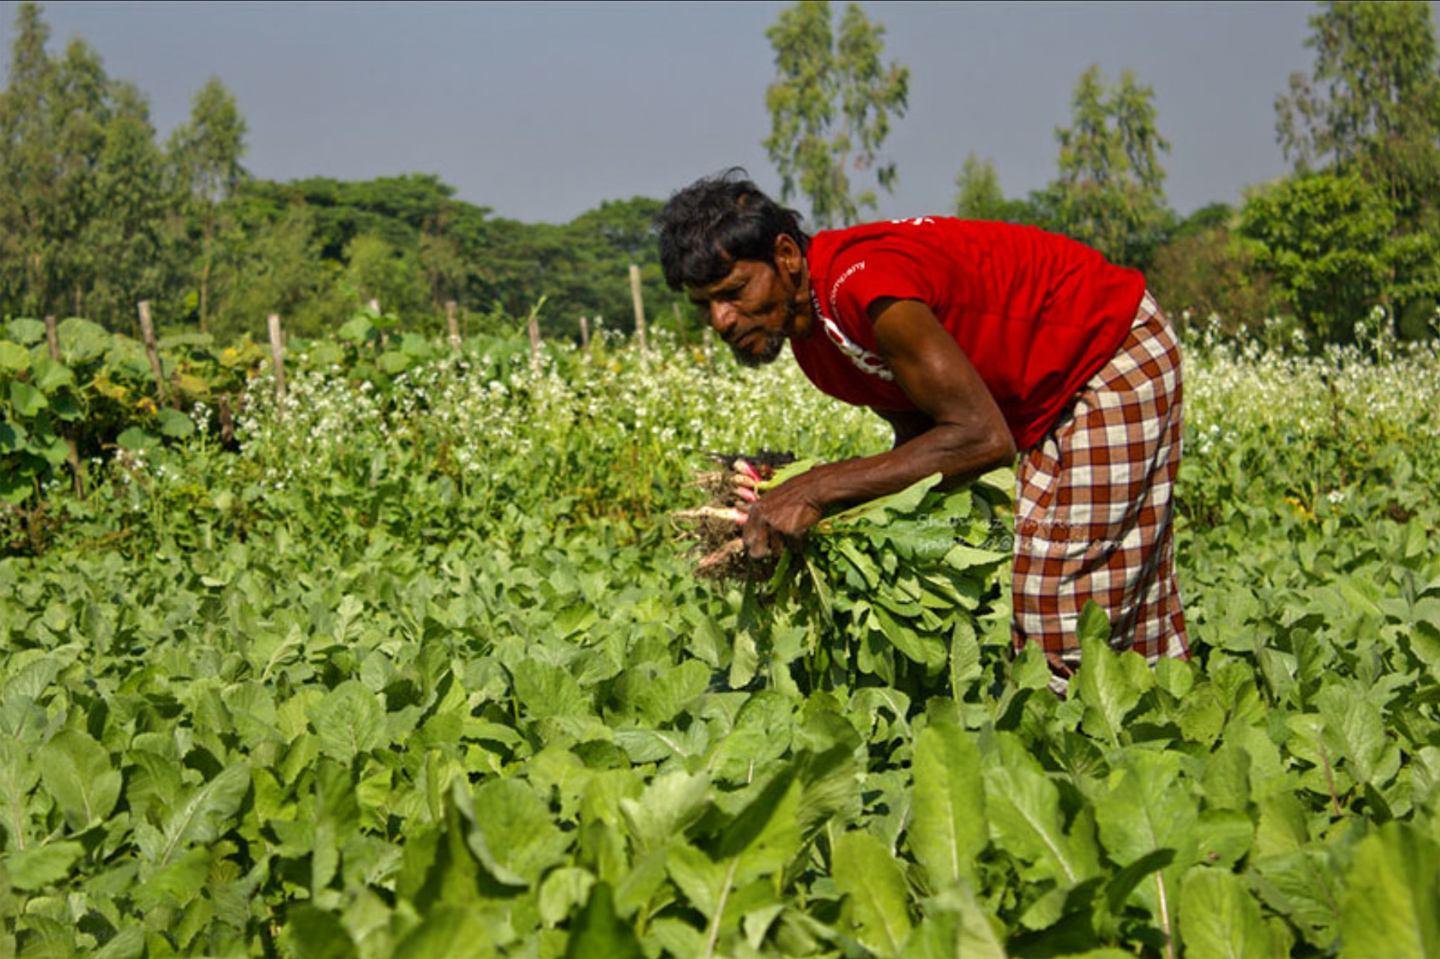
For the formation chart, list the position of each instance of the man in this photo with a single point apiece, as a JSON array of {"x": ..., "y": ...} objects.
[{"x": 975, "y": 341}]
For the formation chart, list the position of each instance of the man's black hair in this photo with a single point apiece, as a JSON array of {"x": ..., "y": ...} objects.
[{"x": 716, "y": 221}]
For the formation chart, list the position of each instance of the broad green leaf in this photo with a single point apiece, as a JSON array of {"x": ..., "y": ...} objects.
[
  {"x": 562, "y": 892},
  {"x": 1391, "y": 906},
  {"x": 135, "y": 439},
  {"x": 660, "y": 699},
  {"x": 174, "y": 424},
  {"x": 26, "y": 400},
  {"x": 349, "y": 721},
  {"x": 598, "y": 931},
  {"x": 394, "y": 361},
  {"x": 1355, "y": 731},
  {"x": 1109, "y": 684},
  {"x": 1219, "y": 919},
  {"x": 449, "y": 931},
  {"x": 204, "y": 815},
  {"x": 49, "y": 376},
  {"x": 518, "y": 829},
  {"x": 877, "y": 898},
  {"x": 546, "y": 690},
  {"x": 955, "y": 925},
  {"x": 13, "y": 437},
  {"x": 702, "y": 880},
  {"x": 948, "y": 828},
  {"x": 878, "y": 510},
  {"x": 316, "y": 934},
  {"x": 766, "y": 836},
  {"x": 13, "y": 357},
  {"x": 36, "y": 867},
  {"x": 1023, "y": 809},
  {"x": 26, "y": 331},
  {"x": 76, "y": 771}
]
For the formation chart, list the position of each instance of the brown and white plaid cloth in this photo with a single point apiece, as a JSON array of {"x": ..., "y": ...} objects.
[{"x": 1093, "y": 508}]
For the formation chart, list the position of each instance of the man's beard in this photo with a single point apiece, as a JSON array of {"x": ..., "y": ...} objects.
[{"x": 770, "y": 350}]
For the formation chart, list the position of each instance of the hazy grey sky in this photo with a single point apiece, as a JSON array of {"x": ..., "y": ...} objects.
[{"x": 540, "y": 111}]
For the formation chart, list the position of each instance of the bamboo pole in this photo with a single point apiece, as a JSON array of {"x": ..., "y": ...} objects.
[
  {"x": 147, "y": 333},
  {"x": 639, "y": 309},
  {"x": 277, "y": 361},
  {"x": 77, "y": 470},
  {"x": 533, "y": 327},
  {"x": 453, "y": 322},
  {"x": 680, "y": 327}
]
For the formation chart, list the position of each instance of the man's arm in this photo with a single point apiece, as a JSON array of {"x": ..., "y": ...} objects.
[
  {"x": 968, "y": 435},
  {"x": 907, "y": 424}
]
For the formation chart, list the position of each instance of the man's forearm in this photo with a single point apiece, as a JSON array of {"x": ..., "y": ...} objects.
[{"x": 945, "y": 448}]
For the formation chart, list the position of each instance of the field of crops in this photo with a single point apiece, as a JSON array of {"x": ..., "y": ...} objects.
[{"x": 414, "y": 663}]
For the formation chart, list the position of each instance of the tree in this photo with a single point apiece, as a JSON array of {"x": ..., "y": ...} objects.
[
  {"x": 830, "y": 108},
  {"x": 1372, "y": 103},
  {"x": 126, "y": 239},
  {"x": 1328, "y": 242},
  {"x": 980, "y": 197},
  {"x": 205, "y": 153},
  {"x": 1110, "y": 191},
  {"x": 1371, "y": 109}
]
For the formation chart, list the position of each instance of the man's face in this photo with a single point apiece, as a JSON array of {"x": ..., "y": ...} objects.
[{"x": 756, "y": 306}]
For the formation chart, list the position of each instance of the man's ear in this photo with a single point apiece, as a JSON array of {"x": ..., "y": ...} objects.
[{"x": 788, "y": 257}]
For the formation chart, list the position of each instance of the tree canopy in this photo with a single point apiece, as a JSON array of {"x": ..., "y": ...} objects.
[{"x": 830, "y": 108}]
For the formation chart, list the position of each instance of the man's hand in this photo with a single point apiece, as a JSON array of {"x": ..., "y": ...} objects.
[{"x": 781, "y": 516}]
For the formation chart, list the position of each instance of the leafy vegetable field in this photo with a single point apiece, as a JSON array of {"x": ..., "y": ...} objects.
[{"x": 416, "y": 664}]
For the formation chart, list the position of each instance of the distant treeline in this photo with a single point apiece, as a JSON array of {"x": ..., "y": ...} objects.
[{"x": 96, "y": 213}]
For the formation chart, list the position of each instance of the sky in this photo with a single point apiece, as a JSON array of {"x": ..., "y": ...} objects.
[{"x": 543, "y": 110}]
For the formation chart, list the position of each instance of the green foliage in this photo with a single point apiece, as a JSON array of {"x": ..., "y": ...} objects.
[
  {"x": 1371, "y": 110},
  {"x": 830, "y": 108},
  {"x": 1372, "y": 103},
  {"x": 416, "y": 668},
  {"x": 1110, "y": 189},
  {"x": 980, "y": 197},
  {"x": 205, "y": 155},
  {"x": 1327, "y": 240},
  {"x": 1208, "y": 274}
]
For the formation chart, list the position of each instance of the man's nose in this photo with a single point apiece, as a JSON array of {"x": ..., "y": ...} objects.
[{"x": 723, "y": 317}]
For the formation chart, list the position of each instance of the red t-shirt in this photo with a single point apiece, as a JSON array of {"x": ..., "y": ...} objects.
[{"x": 1038, "y": 314}]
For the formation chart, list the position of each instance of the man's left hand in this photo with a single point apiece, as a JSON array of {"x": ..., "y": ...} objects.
[{"x": 780, "y": 517}]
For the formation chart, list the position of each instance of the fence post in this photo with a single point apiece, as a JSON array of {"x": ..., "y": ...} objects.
[
  {"x": 277, "y": 362},
  {"x": 639, "y": 309},
  {"x": 147, "y": 334},
  {"x": 533, "y": 327},
  {"x": 453, "y": 322},
  {"x": 680, "y": 327},
  {"x": 77, "y": 475}
]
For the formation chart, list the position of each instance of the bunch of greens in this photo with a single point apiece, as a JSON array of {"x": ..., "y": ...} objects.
[{"x": 886, "y": 592}]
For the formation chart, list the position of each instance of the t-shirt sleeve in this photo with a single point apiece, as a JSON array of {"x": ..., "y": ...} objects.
[{"x": 867, "y": 272}]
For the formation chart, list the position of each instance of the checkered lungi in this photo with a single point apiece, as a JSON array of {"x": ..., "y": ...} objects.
[{"x": 1093, "y": 508}]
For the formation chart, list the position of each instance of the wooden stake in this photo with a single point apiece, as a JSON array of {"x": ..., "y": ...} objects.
[
  {"x": 639, "y": 309},
  {"x": 147, "y": 333},
  {"x": 680, "y": 327},
  {"x": 584, "y": 334},
  {"x": 52, "y": 337},
  {"x": 453, "y": 322},
  {"x": 534, "y": 329},
  {"x": 77, "y": 471},
  {"x": 277, "y": 361}
]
